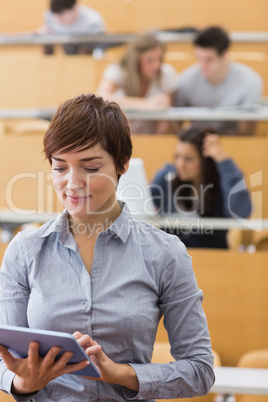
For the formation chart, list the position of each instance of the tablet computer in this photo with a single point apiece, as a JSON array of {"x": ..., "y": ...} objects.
[{"x": 18, "y": 339}]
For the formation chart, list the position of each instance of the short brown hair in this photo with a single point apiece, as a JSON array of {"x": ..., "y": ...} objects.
[{"x": 85, "y": 121}]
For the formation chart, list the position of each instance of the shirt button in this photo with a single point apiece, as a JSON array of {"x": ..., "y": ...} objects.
[
  {"x": 92, "y": 395},
  {"x": 156, "y": 393}
]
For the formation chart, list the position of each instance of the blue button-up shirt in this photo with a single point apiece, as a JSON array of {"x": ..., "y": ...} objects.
[{"x": 139, "y": 273}]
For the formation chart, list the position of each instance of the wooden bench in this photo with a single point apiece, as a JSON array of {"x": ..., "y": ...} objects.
[
  {"x": 31, "y": 80},
  {"x": 48, "y": 80}
]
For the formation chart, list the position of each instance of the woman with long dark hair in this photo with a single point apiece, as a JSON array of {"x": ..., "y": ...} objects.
[{"x": 201, "y": 182}]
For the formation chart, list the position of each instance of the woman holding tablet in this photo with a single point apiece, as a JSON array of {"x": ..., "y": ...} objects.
[{"x": 98, "y": 273}]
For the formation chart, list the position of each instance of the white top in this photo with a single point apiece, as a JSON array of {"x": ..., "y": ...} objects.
[
  {"x": 241, "y": 86},
  {"x": 166, "y": 84},
  {"x": 89, "y": 21}
]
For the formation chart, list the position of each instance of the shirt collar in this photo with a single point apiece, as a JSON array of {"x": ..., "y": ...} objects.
[
  {"x": 121, "y": 227},
  {"x": 61, "y": 225}
]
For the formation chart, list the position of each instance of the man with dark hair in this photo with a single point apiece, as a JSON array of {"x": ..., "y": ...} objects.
[
  {"x": 68, "y": 17},
  {"x": 215, "y": 81},
  {"x": 213, "y": 38}
]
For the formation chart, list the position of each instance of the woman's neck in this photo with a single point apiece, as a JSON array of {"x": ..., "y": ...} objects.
[{"x": 92, "y": 225}]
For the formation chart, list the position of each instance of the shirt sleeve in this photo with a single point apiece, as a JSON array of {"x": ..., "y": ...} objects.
[
  {"x": 97, "y": 24},
  {"x": 115, "y": 74},
  {"x": 160, "y": 188},
  {"x": 169, "y": 79},
  {"x": 235, "y": 195},
  {"x": 184, "y": 87},
  {"x": 191, "y": 374},
  {"x": 13, "y": 303},
  {"x": 253, "y": 89}
]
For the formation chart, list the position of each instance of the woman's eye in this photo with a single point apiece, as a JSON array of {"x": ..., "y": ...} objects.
[
  {"x": 91, "y": 170},
  {"x": 59, "y": 169}
]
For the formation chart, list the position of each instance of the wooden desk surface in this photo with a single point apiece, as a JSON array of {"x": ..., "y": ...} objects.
[{"x": 234, "y": 380}]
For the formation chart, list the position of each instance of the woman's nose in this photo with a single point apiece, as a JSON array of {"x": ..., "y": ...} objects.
[{"x": 75, "y": 181}]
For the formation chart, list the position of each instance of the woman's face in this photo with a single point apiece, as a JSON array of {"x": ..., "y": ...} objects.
[
  {"x": 150, "y": 63},
  {"x": 188, "y": 162},
  {"x": 85, "y": 182}
]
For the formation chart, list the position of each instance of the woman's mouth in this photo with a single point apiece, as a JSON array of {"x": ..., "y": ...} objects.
[{"x": 76, "y": 199}]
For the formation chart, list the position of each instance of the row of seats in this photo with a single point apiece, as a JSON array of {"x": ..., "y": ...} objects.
[{"x": 48, "y": 80}]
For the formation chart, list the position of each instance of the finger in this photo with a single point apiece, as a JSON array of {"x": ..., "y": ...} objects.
[
  {"x": 62, "y": 362},
  {"x": 86, "y": 341},
  {"x": 72, "y": 367},
  {"x": 7, "y": 357},
  {"x": 94, "y": 350},
  {"x": 77, "y": 335},
  {"x": 205, "y": 148},
  {"x": 33, "y": 354},
  {"x": 49, "y": 358},
  {"x": 211, "y": 135},
  {"x": 208, "y": 140}
]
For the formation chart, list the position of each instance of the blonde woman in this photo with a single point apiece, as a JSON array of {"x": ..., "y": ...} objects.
[{"x": 140, "y": 80}]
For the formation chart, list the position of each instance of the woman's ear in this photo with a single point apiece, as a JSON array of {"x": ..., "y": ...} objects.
[
  {"x": 124, "y": 170},
  {"x": 126, "y": 166}
]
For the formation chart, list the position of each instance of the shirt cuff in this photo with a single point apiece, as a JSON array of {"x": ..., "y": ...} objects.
[
  {"x": 8, "y": 377},
  {"x": 151, "y": 382}
]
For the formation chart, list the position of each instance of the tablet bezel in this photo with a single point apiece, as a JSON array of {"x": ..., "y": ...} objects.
[{"x": 18, "y": 339}]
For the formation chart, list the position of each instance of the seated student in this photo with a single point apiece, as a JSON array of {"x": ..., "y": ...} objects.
[
  {"x": 201, "y": 182},
  {"x": 102, "y": 275},
  {"x": 141, "y": 80},
  {"x": 68, "y": 17},
  {"x": 216, "y": 81}
]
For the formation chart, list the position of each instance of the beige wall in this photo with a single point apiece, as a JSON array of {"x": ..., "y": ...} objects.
[{"x": 131, "y": 16}]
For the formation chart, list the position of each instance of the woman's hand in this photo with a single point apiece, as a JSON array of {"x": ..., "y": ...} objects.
[
  {"x": 158, "y": 101},
  {"x": 212, "y": 148},
  {"x": 120, "y": 374},
  {"x": 34, "y": 372}
]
